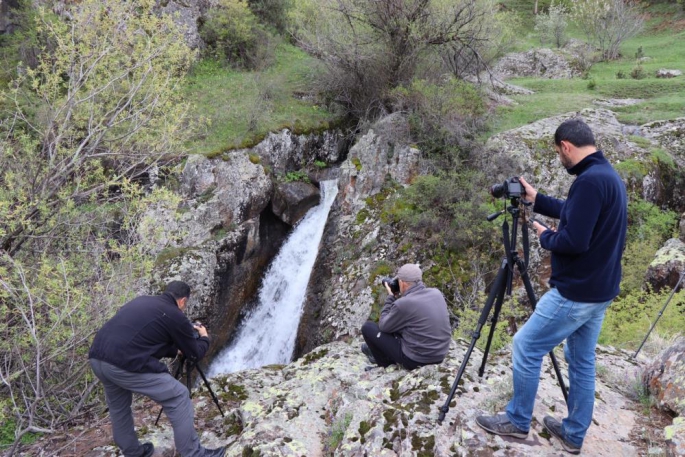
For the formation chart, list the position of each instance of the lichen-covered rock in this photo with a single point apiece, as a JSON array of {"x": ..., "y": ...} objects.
[
  {"x": 668, "y": 263},
  {"x": 286, "y": 151},
  {"x": 666, "y": 73},
  {"x": 292, "y": 200},
  {"x": 665, "y": 378},
  {"x": 327, "y": 404},
  {"x": 384, "y": 152},
  {"x": 670, "y": 134},
  {"x": 187, "y": 15},
  {"x": 539, "y": 63},
  {"x": 675, "y": 437}
]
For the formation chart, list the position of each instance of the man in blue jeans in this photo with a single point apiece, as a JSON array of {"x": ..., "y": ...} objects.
[{"x": 586, "y": 271}]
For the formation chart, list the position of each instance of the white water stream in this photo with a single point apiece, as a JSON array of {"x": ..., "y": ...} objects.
[{"x": 267, "y": 335}]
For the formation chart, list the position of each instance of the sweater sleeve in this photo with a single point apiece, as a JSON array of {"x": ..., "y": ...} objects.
[
  {"x": 548, "y": 206},
  {"x": 392, "y": 318},
  {"x": 582, "y": 210},
  {"x": 184, "y": 339}
]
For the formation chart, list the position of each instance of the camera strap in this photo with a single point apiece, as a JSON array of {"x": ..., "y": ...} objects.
[{"x": 526, "y": 245}]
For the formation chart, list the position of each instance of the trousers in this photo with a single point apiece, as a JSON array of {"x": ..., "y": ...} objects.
[
  {"x": 160, "y": 387},
  {"x": 557, "y": 319}
]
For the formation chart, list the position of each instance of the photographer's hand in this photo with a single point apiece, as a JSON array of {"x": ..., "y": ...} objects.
[
  {"x": 387, "y": 287},
  {"x": 201, "y": 330},
  {"x": 531, "y": 193}
]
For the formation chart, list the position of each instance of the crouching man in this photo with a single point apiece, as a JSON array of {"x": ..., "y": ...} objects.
[
  {"x": 125, "y": 357},
  {"x": 414, "y": 326}
]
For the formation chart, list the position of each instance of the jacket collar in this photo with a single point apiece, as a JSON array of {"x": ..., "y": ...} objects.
[{"x": 593, "y": 159}]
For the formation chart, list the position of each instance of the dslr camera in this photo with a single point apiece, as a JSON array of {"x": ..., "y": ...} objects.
[
  {"x": 393, "y": 283},
  {"x": 195, "y": 331},
  {"x": 510, "y": 188}
]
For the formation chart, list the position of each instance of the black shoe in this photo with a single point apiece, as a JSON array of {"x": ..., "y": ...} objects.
[
  {"x": 148, "y": 450},
  {"x": 500, "y": 425},
  {"x": 367, "y": 352},
  {"x": 219, "y": 452},
  {"x": 553, "y": 426}
]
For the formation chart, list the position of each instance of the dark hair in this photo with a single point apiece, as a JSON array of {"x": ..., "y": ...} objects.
[
  {"x": 177, "y": 289},
  {"x": 576, "y": 132}
]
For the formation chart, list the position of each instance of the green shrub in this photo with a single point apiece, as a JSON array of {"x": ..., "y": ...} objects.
[
  {"x": 272, "y": 12},
  {"x": 233, "y": 34},
  {"x": 296, "y": 176},
  {"x": 552, "y": 26},
  {"x": 592, "y": 84},
  {"x": 620, "y": 74},
  {"x": 638, "y": 72}
]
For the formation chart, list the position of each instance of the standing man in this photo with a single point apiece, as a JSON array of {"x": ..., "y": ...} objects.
[
  {"x": 414, "y": 328},
  {"x": 125, "y": 357},
  {"x": 586, "y": 272}
]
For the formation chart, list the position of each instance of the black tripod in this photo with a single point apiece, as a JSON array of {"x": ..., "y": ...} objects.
[
  {"x": 501, "y": 285},
  {"x": 190, "y": 365}
]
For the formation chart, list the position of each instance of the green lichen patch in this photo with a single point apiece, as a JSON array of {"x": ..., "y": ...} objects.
[
  {"x": 423, "y": 445},
  {"x": 314, "y": 356},
  {"x": 234, "y": 392}
]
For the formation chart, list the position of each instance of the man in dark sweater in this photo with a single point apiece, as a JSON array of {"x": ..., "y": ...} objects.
[
  {"x": 414, "y": 328},
  {"x": 586, "y": 271},
  {"x": 125, "y": 357}
]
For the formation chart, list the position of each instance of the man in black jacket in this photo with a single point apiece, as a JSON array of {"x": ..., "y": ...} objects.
[{"x": 125, "y": 357}]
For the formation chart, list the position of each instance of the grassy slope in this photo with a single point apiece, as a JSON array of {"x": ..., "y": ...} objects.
[
  {"x": 661, "y": 42},
  {"x": 242, "y": 106}
]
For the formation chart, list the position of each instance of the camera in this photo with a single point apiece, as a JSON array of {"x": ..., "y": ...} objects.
[
  {"x": 393, "y": 283},
  {"x": 195, "y": 331},
  {"x": 510, "y": 188}
]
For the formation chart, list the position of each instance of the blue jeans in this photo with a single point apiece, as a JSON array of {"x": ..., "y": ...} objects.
[{"x": 557, "y": 319}]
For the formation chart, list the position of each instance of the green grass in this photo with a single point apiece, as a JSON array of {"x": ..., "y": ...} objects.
[
  {"x": 661, "y": 42},
  {"x": 243, "y": 106}
]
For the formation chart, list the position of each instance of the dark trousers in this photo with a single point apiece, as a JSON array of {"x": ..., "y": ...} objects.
[
  {"x": 386, "y": 347},
  {"x": 161, "y": 387}
]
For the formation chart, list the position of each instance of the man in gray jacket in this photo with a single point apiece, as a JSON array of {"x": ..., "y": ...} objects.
[{"x": 414, "y": 327}]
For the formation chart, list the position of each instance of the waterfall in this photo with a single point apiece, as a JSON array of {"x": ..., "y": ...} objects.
[{"x": 267, "y": 334}]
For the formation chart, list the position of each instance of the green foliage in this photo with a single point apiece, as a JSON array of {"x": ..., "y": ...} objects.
[
  {"x": 338, "y": 431},
  {"x": 444, "y": 118},
  {"x": 272, "y": 12},
  {"x": 320, "y": 164},
  {"x": 244, "y": 106},
  {"x": 552, "y": 26},
  {"x": 299, "y": 175},
  {"x": 647, "y": 221},
  {"x": 233, "y": 34},
  {"x": 592, "y": 84},
  {"x": 630, "y": 317},
  {"x": 638, "y": 72},
  {"x": 620, "y": 74}
]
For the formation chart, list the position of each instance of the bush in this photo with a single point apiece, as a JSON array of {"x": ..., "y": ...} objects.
[
  {"x": 592, "y": 84},
  {"x": 234, "y": 35},
  {"x": 272, "y": 12},
  {"x": 620, "y": 74},
  {"x": 444, "y": 118},
  {"x": 552, "y": 26},
  {"x": 638, "y": 72}
]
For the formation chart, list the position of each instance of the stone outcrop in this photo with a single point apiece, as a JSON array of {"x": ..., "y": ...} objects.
[
  {"x": 665, "y": 378},
  {"x": 327, "y": 404},
  {"x": 667, "y": 266},
  {"x": 539, "y": 63},
  {"x": 292, "y": 200},
  {"x": 670, "y": 135},
  {"x": 666, "y": 73},
  {"x": 187, "y": 14}
]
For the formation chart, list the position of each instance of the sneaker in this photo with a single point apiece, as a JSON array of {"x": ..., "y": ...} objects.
[
  {"x": 553, "y": 426},
  {"x": 500, "y": 425},
  {"x": 219, "y": 452},
  {"x": 148, "y": 450},
  {"x": 367, "y": 352}
]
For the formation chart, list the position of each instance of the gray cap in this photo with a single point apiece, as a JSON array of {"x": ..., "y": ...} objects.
[{"x": 409, "y": 272}]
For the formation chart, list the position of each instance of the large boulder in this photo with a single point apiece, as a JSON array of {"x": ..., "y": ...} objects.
[
  {"x": 383, "y": 152},
  {"x": 670, "y": 135},
  {"x": 327, "y": 404},
  {"x": 667, "y": 266},
  {"x": 187, "y": 14},
  {"x": 539, "y": 63},
  {"x": 292, "y": 200},
  {"x": 665, "y": 378}
]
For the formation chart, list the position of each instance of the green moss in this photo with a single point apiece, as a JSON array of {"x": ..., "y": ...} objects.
[
  {"x": 234, "y": 392},
  {"x": 207, "y": 194},
  {"x": 254, "y": 158},
  {"x": 313, "y": 356},
  {"x": 423, "y": 445},
  {"x": 362, "y": 215},
  {"x": 357, "y": 163},
  {"x": 169, "y": 254},
  {"x": 632, "y": 168},
  {"x": 364, "y": 428}
]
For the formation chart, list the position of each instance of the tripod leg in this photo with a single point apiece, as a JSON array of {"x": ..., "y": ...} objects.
[
  {"x": 216, "y": 400},
  {"x": 493, "y": 324},
  {"x": 533, "y": 302},
  {"x": 497, "y": 286}
]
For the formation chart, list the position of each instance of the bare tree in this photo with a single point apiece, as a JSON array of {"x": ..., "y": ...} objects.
[
  {"x": 608, "y": 23},
  {"x": 370, "y": 47}
]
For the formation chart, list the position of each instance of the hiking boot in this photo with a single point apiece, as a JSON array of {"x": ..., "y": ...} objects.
[
  {"x": 500, "y": 425},
  {"x": 553, "y": 426},
  {"x": 219, "y": 452},
  {"x": 367, "y": 352},
  {"x": 148, "y": 450}
]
